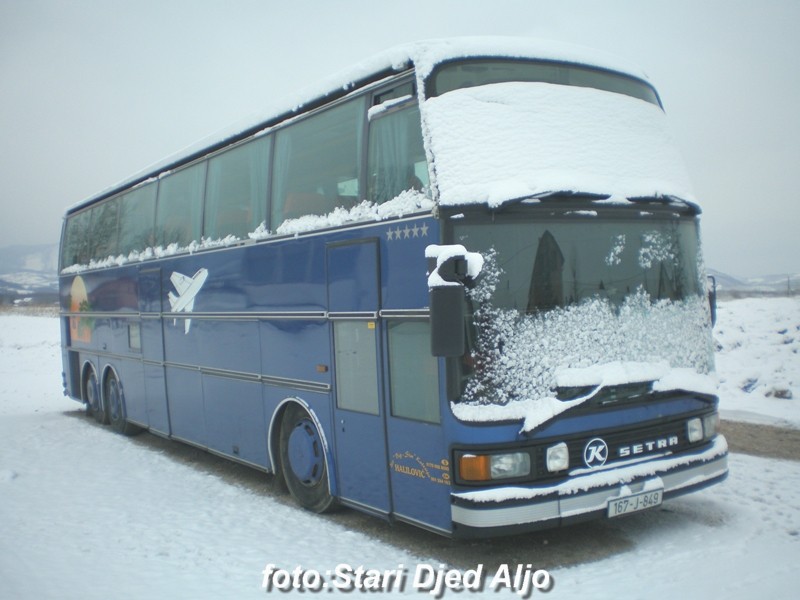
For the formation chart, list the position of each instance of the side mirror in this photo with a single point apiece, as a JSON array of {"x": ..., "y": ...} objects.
[
  {"x": 449, "y": 267},
  {"x": 712, "y": 298},
  {"x": 447, "y": 320}
]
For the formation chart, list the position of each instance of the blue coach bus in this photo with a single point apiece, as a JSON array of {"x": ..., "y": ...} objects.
[{"x": 461, "y": 286}]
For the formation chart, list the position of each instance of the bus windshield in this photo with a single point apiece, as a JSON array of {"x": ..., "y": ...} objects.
[
  {"x": 471, "y": 73},
  {"x": 578, "y": 292}
]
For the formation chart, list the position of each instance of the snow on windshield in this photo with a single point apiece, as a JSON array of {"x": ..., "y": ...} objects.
[
  {"x": 504, "y": 141},
  {"x": 518, "y": 360}
]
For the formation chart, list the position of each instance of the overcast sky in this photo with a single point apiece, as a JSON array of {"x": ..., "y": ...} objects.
[{"x": 92, "y": 91}]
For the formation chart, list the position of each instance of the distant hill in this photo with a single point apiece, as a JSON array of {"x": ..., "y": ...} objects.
[
  {"x": 751, "y": 286},
  {"x": 28, "y": 272}
]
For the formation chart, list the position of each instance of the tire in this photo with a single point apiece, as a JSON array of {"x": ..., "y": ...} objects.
[
  {"x": 94, "y": 399},
  {"x": 114, "y": 402},
  {"x": 303, "y": 461}
]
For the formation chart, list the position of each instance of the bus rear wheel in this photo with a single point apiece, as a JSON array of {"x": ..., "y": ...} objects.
[
  {"x": 94, "y": 400},
  {"x": 303, "y": 461},
  {"x": 114, "y": 401}
]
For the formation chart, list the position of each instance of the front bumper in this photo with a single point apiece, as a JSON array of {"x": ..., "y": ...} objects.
[{"x": 586, "y": 493}]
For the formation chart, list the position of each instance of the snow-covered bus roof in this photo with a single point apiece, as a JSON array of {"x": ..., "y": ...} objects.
[{"x": 423, "y": 56}]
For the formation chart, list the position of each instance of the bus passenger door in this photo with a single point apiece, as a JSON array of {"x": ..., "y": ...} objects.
[{"x": 359, "y": 413}]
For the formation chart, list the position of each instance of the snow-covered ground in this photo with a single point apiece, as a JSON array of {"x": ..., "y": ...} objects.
[
  {"x": 758, "y": 360},
  {"x": 88, "y": 514}
]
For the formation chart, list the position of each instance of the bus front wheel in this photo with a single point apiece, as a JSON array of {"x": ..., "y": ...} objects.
[{"x": 303, "y": 460}]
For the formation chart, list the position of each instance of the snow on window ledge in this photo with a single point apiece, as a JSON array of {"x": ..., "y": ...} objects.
[{"x": 406, "y": 203}]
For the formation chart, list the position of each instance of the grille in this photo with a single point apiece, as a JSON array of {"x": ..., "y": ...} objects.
[{"x": 640, "y": 441}]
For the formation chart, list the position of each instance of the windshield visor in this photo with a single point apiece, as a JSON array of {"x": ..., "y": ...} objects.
[{"x": 471, "y": 73}]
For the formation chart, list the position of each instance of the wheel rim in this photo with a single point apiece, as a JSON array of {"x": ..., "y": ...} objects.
[
  {"x": 114, "y": 412},
  {"x": 305, "y": 453},
  {"x": 92, "y": 397}
]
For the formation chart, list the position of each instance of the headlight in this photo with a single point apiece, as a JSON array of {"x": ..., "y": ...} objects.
[
  {"x": 711, "y": 425},
  {"x": 485, "y": 467},
  {"x": 558, "y": 458},
  {"x": 694, "y": 429}
]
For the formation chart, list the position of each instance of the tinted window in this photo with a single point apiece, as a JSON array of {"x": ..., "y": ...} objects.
[
  {"x": 137, "y": 213},
  {"x": 180, "y": 203},
  {"x": 396, "y": 155},
  {"x": 575, "y": 292},
  {"x": 413, "y": 371},
  {"x": 542, "y": 265},
  {"x": 76, "y": 240},
  {"x": 316, "y": 163},
  {"x": 236, "y": 192},
  {"x": 356, "y": 366},
  {"x": 103, "y": 229}
]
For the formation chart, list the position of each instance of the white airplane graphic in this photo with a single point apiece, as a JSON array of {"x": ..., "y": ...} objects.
[{"x": 187, "y": 288}]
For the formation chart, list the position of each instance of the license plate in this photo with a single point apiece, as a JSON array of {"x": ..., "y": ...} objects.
[{"x": 635, "y": 503}]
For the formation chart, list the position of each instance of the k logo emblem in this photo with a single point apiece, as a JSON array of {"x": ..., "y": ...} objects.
[{"x": 595, "y": 453}]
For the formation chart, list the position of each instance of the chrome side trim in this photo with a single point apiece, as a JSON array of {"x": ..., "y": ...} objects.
[
  {"x": 231, "y": 374},
  {"x": 248, "y": 316},
  {"x": 394, "y": 313},
  {"x": 353, "y": 315},
  {"x": 221, "y": 316},
  {"x": 405, "y": 313},
  {"x": 101, "y": 315},
  {"x": 309, "y": 386},
  {"x": 299, "y": 384}
]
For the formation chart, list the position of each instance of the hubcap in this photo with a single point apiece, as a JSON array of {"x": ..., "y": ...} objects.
[
  {"x": 113, "y": 400},
  {"x": 305, "y": 453},
  {"x": 91, "y": 394}
]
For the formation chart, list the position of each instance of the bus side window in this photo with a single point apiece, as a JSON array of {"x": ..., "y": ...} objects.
[
  {"x": 236, "y": 192},
  {"x": 413, "y": 372},
  {"x": 298, "y": 204},
  {"x": 316, "y": 163},
  {"x": 179, "y": 208},
  {"x": 103, "y": 229},
  {"x": 396, "y": 160},
  {"x": 136, "y": 219},
  {"x": 76, "y": 240}
]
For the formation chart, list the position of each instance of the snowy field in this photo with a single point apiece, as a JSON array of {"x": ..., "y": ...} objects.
[
  {"x": 758, "y": 360},
  {"x": 88, "y": 514}
]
